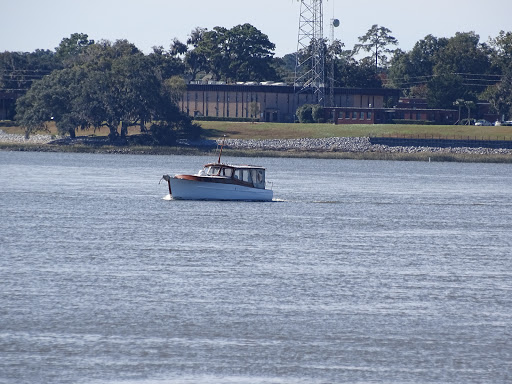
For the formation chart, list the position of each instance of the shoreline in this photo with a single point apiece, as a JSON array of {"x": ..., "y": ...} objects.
[{"x": 357, "y": 148}]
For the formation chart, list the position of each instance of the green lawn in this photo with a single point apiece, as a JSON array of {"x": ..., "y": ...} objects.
[
  {"x": 239, "y": 130},
  {"x": 235, "y": 130}
]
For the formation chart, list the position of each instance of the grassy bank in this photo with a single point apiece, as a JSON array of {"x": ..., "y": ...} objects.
[
  {"x": 260, "y": 131},
  {"x": 215, "y": 129}
]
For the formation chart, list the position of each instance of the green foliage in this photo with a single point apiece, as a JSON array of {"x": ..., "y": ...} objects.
[
  {"x": 447, "y": 69},
  {"x": 108, "y": 85},
  {"x": 70, "y": 47},
  {"x": 317, "y": 112},
  {"x": 501, "y": 52},
  {"x": 310, "y": 113},
  {"x": 443, "y": 90},
  {"x": 254, "y": 109},
  {"x": 167, "y": 133},
  {"x": 415, "y": 68},
  {"x": 462, "y": 54},
  {"x": 164, "y": 133},
  {"x": 242, "y": 53},
  {"x": 18, "y": 70},
  {"x": 500, "y": 96},
  {"x": 353, "y": 74},
  {"x": 305, "y": 113},
  {"x": 377, "y": 40},
  {"x": 176, "y": 87}
]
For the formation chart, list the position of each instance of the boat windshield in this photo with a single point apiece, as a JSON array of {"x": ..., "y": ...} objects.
[
  {"x": 212, "y": 171},
  {"x": 218, "y": 171}
]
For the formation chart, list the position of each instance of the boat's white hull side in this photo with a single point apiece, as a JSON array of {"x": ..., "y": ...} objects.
[{"x": 183, "y": 189}]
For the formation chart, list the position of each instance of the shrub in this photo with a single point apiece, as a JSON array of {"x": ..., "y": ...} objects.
[
  {"x": 310, "y": 113},
  {"x": 163, "y": 133}
]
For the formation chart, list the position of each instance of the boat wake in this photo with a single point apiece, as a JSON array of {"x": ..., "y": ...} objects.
[{"x": 167, "y": 197}]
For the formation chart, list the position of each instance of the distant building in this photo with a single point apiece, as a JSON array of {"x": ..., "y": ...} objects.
[
  {"x": 8, "y": 105},
  {"x": 406, "y": 110},
  {"x": 274, "y": 102}
]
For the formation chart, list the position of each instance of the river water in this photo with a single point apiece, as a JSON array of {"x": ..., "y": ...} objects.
[{"x": 359, "y": 272}]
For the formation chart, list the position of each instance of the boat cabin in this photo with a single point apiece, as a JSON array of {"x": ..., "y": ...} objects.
[{"x": 250, "y": 175}]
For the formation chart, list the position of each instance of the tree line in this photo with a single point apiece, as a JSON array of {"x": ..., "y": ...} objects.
[{"x": 87, "y": 84}]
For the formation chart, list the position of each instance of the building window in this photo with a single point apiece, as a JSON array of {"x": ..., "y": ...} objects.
[
  {"x": 369, "y": 116},
  {"x": 354, "y": 115},
  {"x": 361, "y": 116},
  {"x": 347, "y": 114}
]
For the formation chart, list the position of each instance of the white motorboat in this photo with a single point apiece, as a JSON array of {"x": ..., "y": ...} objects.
[{"x": 218, "y": 181}]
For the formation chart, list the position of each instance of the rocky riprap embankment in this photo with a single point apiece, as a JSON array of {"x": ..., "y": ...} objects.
[
  {"x": 20, "y": 139},
  {"x": 331, "y": 144},
  {"x": 349, "y": 144}
]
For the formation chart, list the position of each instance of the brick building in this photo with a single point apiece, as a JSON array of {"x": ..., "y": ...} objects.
[
  {"x": 275, "y": 102},
  {"x": 410, "y": 110}
]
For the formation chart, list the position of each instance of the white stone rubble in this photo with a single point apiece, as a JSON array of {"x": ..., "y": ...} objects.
[{"x": 20, "y": 139}]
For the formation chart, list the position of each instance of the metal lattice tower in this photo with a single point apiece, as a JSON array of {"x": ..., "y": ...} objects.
[{"x": 310, "y": 60}]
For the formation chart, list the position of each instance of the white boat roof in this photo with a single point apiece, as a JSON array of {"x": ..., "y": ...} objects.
[{"x": 242, "y": 166}]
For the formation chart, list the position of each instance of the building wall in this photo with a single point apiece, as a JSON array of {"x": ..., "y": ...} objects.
[
  {"x": 354, "y": 115},
  {"x": 276, "y": 103}
]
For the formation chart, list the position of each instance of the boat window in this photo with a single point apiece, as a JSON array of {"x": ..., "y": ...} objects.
[
  {"x": 238, "y": 174},
  {"x": 228, "y": 172},
  {"x": 213, "y": 171},
  {"x": 247, "y": 176},
  {"x": 260, "y": 176}
]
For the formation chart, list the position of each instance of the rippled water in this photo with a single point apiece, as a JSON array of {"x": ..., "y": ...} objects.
[{"x": 361, "y": 272}]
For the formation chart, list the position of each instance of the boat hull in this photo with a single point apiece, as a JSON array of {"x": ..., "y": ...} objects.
[{"x": 183, "y": 189}]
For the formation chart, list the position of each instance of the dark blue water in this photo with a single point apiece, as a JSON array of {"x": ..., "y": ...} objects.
[{"x": 361, "y": 272}]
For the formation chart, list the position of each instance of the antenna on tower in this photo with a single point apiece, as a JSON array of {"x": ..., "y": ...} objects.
[
  {"x": 335, "y": 23},
  {"x": 310, "y": 59}
]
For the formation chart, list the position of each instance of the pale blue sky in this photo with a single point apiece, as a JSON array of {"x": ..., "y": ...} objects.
[{"x": 30, "y": 24}]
